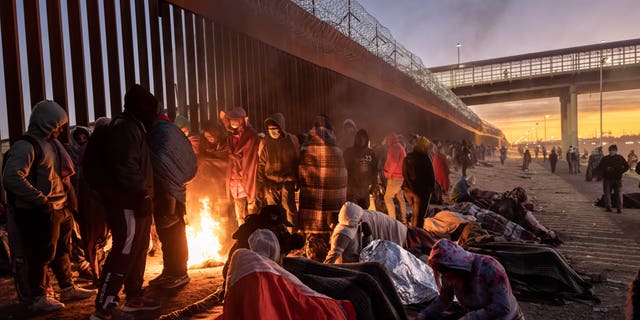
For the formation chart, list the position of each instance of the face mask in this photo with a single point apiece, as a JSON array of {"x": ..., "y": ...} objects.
[
  {"x": 612, "y": 153},
  {"x": 274, "y": 133}
]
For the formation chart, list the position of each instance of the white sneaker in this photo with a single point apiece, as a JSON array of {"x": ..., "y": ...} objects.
[
  {"x": 47, "y": 304},
  {"x": 76, "y": 293}
]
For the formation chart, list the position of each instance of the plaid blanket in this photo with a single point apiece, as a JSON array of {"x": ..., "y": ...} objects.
[
  {"x": 323, "y": 186},
  {"x": 500, "y": 226}
]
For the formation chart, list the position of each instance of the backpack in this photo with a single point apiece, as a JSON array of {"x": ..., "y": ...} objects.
[
  {"x": 95, "y": 164},
  {"x": 32, "y": 177}
]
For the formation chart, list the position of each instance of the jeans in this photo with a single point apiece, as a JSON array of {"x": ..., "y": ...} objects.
[
  {"x": 616, "y": 185},
  {"x": 170, "y": 226},
  {"x": 285, "y": 196},
  {"x": 394, "y": 189}
]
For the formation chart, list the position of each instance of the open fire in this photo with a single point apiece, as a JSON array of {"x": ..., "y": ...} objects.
[{"x": 204, "y": 234}]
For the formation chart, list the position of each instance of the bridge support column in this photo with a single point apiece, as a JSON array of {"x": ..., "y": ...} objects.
[{"x": 569, "y": 118}]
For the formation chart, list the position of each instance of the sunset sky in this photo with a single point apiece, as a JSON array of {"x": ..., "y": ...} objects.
[{"x": 497, "y": 28}]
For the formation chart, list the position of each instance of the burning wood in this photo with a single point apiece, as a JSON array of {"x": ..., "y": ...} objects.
[{"x": 204, "y": 237}]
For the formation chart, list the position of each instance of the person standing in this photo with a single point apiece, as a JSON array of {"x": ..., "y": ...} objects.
[
  {"x": 544, "y": 154},
  {"x": 243, "y": 143},
  {"x": 278, "y": 159},
  {"x": 418, "y": 180},
  {"x": 632, "y": 159},
  {"x": 503, "y": 154},
  {"x": 174, "y": 165},
  {"x": 526, "y": 160},
  {"x": 36, "y": 179},
  {"x": 393, "y": 174},
  {"x": 129, "y": 206},
  {"x": 441, "y": 168},
  {"x": 362, "y": 169},
  {"x": 612, "y": 167},
  {"x": 553, "y": 160}
]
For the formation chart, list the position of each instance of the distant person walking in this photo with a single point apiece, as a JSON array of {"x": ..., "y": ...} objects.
[
  {"x": 613, "y": 166},
  {"x": 553, "y": 160},
  {"x": 526, "y": 160},
  {"x": 503, "y": 154}
]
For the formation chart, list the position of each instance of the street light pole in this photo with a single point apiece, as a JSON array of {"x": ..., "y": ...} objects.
[
  {"x": 459, "y": 46},
  {"x": 536, "y": 132},
  {"x": 602, "y": 62},
  {"x": 546, "y": 116}
]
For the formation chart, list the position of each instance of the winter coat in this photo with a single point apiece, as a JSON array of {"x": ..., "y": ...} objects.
[
  {"x": 243, "y": 159},
  {"x": 48, "y": 186},
  {"x": 278, "y": 159},
  {"x": 130, "y": 161},
  {"x": 613, "y": 167},
  {"x": 441, "y": 170},
  {"x": 323, "y": 181},
  {"x": 361, "y": 163},
  {"x": 213, "y": 165},
  {"x": 417, "y": 170},
  {"x": 172, "y": 157},
  {"x": 395, "y": 157}
]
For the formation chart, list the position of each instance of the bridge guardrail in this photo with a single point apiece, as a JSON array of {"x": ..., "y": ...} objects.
[{"x": 540, "y": 66}]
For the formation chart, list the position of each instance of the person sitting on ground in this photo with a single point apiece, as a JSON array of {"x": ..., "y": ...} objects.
[
  {"x": 479, "y": 283},
  {"x": 357, "y": 227}
]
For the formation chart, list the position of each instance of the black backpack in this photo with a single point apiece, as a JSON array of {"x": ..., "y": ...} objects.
[{"x": 32, "y": 177}]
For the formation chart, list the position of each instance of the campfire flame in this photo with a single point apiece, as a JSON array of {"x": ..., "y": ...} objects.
[{"x": 204, "y": 237}]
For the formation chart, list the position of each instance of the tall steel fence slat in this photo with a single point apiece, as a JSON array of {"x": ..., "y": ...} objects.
[
  {"x": 12, "y": 75},
  {"x": 34, "y": 50},
  {"x": 115, "y": 94},
  {"x": 127, "y": 44},
  {"x": 95, "y": 49},
  {"x": 78, "y": 73}
]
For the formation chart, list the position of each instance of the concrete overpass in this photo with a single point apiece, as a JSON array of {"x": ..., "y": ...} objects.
[
  {"x": 199, "y": 57},
  {"x": 563, "y": 73}
]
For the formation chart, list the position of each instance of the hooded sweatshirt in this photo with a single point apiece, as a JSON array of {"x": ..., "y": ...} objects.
[
  {"x": 46, "y": 116},
  {"x": 347, "y": 241},
  {"x": 417, "y": 169},
  {"x": 278, "y": 159},
  {"x": 487, "y": 293},
  {"x": 395, "y": 157},
  {"x": 361, "y": 162}
]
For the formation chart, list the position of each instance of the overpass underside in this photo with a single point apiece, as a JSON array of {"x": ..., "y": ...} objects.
[
  {"x": 565, "y": 86},
  {"x": 201, "y": 57}
]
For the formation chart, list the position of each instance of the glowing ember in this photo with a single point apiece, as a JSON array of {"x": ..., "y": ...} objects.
[{"x": 204, "y": 237}]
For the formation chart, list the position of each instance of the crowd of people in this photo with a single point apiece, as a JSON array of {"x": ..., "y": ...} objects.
[{"x": 323, "y": 195}]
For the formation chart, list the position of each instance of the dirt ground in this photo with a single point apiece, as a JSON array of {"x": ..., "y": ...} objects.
[{"x": 563, "y": 202}]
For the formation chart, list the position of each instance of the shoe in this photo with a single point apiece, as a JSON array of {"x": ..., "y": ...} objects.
[
  {"x": 47, "y": 304},
  {"x": 139, "y": 304},
  {"x": 158, "y": 280},
  {"x": 76, "y": 293},
  {"x": 112, "y": 313},
  {"x": 172, "y": 282}
]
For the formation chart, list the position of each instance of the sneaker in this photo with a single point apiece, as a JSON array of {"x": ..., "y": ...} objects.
[
  {"x": 47, "y": 304},
  {"x": 139, "y": 304},
  {"x": 111, "y": 313},
  {"x": 158, "y": 280},
  {"x": 76, "y": 293},
  {"x": 172, "y": 282}
]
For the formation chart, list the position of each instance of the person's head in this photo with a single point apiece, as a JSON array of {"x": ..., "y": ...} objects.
[
  {"x": 212, "y": 132},
  {"x": 322, "y": 120},
  {"x": 183, "y": 123},
  {"x": 265, "y": 243},
  {"x": 361, "y": 139},
  {"x": 350, "y": 214},
  {"x": 349, "y": 125},
  {"x": 450, "y": 262},
  {"x": 139, "y": 102},
  {"x": 235, "y": 119},
  {"x": 80, "y": 135},
  {"x": 421, "y": 145},
  {"x": 47, "y": 119},
  {"x": 613, "y": 149},
  {"x": 275, "y": 126}
]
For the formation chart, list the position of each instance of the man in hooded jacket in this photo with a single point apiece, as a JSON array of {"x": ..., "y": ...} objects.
[
  {"x": 362, "y": 169},
  {"x": 40, "y": 209},
  {"x": 278, "y": 159},
  {"x": 612, "y": 167},
  {"x": 419, "y": 180},
  {"x": 129, "y": 205}
]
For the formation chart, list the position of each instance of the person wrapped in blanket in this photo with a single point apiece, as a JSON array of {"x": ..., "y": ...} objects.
[
  {"x": 356, "y": 228},
  {"x": 275, "y": 292},
  {"x": 479, "y": 283}
]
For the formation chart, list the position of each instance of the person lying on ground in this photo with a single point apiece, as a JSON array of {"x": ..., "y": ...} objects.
[
  {"x": 276, "y": 293},
  {"x": 479, "y": 283},
  {"x": 357, "y": 227}
]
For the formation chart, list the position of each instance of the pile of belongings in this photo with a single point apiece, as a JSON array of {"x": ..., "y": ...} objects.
[{"x": 629, "y": 201}]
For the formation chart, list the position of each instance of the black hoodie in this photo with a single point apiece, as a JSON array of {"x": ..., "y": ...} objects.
[
  {"x": 278, "y": 159},
  {"x": 361, "y": 162}
]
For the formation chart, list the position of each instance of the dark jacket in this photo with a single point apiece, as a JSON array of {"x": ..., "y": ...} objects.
[
  {"x": 278, "y": 159},
  {"x": 418, "y": 174},
  {"x": 213, "y": 163},
  {"x": 613, "y": 166},
  {"x": 130, "y": 161},
  {"x": 361, "y": 162}
]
